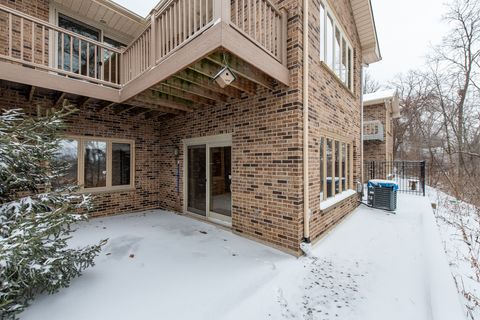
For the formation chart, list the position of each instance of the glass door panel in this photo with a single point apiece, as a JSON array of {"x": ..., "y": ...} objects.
[
  {"x": 220, "y": 180},
  {"x": 197, "y": 180}
]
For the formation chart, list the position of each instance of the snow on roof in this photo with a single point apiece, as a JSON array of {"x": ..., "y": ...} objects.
[
  {"x": 379, "y": 95},
  {"x": 384, "y": 96}
]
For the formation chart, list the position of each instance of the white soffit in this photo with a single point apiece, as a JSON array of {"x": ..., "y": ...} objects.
[
  {"x": 106, "y": 13},
  {"x": 365, "y": 21}
]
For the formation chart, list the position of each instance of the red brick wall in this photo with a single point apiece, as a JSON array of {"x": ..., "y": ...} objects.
[
  {"x": 105, "y": 124},
  {"x": 266, "y": 129},
  {"x": 334, "y": 110}
]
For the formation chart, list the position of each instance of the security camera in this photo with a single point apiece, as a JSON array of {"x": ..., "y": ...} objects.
[{"x": 224, "y": 77}]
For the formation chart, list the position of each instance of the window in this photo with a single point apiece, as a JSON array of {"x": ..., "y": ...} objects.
[
  {"x": 68, "y": 155},
  {"x": 98, "y": 164},
  {"x": 70, "y": 49},
  {"x": 335, "y": 167},
  {"x": 335, "y": 49}
]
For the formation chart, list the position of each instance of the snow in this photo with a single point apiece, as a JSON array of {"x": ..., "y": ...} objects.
[
  {"x": 461, "y": 245},
  {"x": 158, "y": 265},
  {"x": 336, "y": 199},
  {"x": 379, "y": 95}
]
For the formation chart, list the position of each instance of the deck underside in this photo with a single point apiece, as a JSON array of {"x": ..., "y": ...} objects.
[{"x": 182, "y": 82}]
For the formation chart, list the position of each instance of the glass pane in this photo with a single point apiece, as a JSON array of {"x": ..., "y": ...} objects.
[
  {"x": 322, "y": 32},
  {"x": 337, "y": 167},
  {"x": 348, "y": 167},
  {"x": 344, "y": 167},
  {"x": 121, "y": 160},
  {"x": 197, "y": 178},
  {"x": 95, "y": 164},
  {"x": 322, "y": 163},
  {"x": 343, "y": 71},
  {"x": 329, "y": 168},
  {"x": 350, "y": 69},
  {"x": 110, "y": 60},
  {"x": 72, "y": 48},
  {"x": 337, "y": 51},
  {"x": 220, "y": 180},
  {"x": 68, "y": 155},
  {"x": 329, "y": 46}
]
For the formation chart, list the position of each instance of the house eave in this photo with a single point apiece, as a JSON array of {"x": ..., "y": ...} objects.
[{"x": 365, "y": 23}]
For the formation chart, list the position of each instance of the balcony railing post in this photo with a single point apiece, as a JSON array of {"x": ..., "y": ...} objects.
[
  {"x": 153, "y": 45},
  {"x": 221, "y": 10},
  {"x": 284, "y": 36}
]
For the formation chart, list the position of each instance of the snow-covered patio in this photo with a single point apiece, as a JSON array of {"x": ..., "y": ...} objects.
[{"x": 158, "y": 265}]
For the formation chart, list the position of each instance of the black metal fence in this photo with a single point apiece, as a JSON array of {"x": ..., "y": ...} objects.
[{"x": 409, "y": 175}]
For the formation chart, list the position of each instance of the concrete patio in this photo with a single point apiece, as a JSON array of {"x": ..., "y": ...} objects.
[{"x": 374, "y": 265}]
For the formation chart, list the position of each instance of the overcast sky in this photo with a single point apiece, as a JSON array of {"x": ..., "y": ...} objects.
[{"x": 406, "y": 29}]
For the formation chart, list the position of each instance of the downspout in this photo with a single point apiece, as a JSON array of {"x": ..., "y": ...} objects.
[
  {"x": 362, "y": 86},
  {"x": 306, "y": 197}
]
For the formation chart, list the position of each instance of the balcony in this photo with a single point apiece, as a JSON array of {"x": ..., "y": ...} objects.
[
  {"x": 373, "y": 130},
  {"x": 169, "y": 67}
]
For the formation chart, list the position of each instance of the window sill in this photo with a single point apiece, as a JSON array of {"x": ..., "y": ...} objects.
[
  {"x": 331, "y": 202},
  {"x": 107, "y": 190},
  {"x": 339, "y": 81}
]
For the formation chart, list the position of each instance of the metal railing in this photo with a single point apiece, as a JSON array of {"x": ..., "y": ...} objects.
[
  {"x": 31, "y": 41},
  {"x": 409, "y": 175},
  {"x": 373, "y": 130}
]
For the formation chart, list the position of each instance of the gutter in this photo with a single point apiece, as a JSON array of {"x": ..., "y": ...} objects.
[{"x": 306, "y": 195}]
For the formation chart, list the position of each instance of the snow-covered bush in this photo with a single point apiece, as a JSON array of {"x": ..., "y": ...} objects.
[{"x": 36, "y": 215}]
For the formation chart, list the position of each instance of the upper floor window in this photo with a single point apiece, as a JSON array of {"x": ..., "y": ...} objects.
[{"x": 335, "y": 49}]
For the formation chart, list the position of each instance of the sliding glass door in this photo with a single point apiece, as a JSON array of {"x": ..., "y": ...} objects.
[{"x": 208, "y": 179}]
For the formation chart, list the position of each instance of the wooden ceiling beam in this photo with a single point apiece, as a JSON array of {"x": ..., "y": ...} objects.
[
  {"x": 241, "y": 68},
  {"x": 108, "y": 105},
  {"x": 183, "y": 94},
  {"x": 59, "y": 100},
  {"x": 161, "y": 99},
  {"x": 210, "y": 70},
  {"x": 126, "y": 109},
  {"x": 207, "y": 83},
  {"x": 31, "y": 93},
  {"x": 163, "y": 107},
  {"x": 195, "y": 89}
]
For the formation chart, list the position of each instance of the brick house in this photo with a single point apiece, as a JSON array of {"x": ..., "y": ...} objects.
[
  {"x": 158, "y": 127},
  {"x": 379, "y": 110}
]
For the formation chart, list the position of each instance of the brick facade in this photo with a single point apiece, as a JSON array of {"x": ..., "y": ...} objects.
[
  {"x": 376, "y": 150},
  {"x": 266, "y": 129}
]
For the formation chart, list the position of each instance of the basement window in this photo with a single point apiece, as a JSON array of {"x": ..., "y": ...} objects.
[
  {"x": 335, "y": 48},
  {"x": 336, "y": 169},
  {"x": 98, "y": 164}
]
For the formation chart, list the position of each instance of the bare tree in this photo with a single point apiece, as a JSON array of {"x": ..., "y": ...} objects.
[{"x": 370, "y": 84}]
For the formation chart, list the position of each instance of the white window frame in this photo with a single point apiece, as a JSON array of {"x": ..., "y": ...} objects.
[
  {"x": 323, "y": 169},
  {"x": 349, "y": 77},
  {"x": 81, "y": 163}
]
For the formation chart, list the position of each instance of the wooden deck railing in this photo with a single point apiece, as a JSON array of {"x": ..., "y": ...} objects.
[
  {"x": 29, "y": 40},
  {"x": 261, "y": 21}
]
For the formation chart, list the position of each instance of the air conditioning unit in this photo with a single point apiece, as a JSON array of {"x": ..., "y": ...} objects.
[{"x": 382, "y": 194}]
